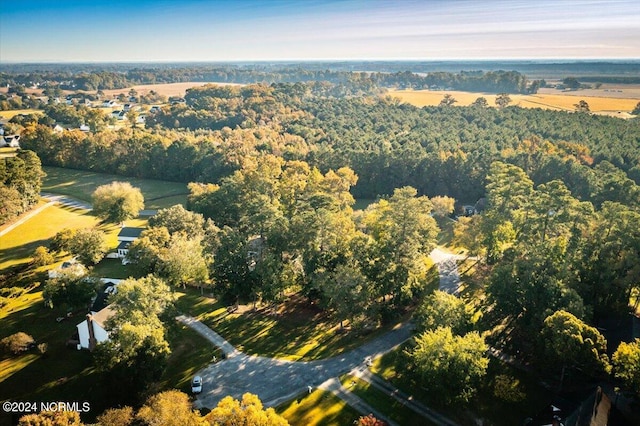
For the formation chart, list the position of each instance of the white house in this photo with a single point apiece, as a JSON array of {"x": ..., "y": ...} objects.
[
  {"x": 56, "y": 128},
  {"x": 125, "y": 237},
  {"x": 109, "y": 103},
  {"x": 92, "y": 330},
  {"x": 12, "y": 141},
  {"x": 71, "y": 267}
]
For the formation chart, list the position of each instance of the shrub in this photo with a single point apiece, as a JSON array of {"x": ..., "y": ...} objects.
[{"x": 17, "y": 343}]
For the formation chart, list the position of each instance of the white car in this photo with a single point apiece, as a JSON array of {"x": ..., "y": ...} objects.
[{"x": 196, "y": 384}]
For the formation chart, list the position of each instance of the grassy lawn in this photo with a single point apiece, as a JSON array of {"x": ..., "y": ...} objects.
[
  {"x": 388, "y": 406},
  {"x": 191, "y": 302},
  {"x": 190, "y": 352},
  {"x": 8, "y": 152},
  {"x": 519, "y": 396},
  {"x": 299, "y": 332},
  {"x": 318, "y": 408},
  {"x": 81, "y": 184},
  {"x": 113, "y": 268},
  {"x": 59, "y": 373},
  {"x": 17, "y": 246},
  {"x": 67, "y": 374}
]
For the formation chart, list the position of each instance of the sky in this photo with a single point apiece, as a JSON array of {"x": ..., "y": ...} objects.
[{"x": 263, "y": 30}]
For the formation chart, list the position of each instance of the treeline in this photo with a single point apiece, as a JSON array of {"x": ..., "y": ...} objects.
[
  {"x": 437, "y": 150},
  {"x": 20, "y": 181},
  {"x": 491, "y": 81}
]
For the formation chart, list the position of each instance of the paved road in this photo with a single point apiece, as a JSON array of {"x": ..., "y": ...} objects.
[
  {"x": 447, "y": 264},
  {"x": 67, "y": 201},
  {"x": 274, "y": 380}
]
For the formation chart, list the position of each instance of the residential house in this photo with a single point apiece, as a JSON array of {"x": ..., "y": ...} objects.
[
  {"x": 125, "y": 237},
  {"x": 56, "y": 128},
  {"x": 92, "y": 330},
  {"x": 109, "y": 103},
  {"x": 12, "y": 141},
  {"x": 70, "y": 266}
]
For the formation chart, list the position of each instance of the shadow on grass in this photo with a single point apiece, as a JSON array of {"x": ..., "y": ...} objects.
[
  {"x": 300, "y": 332},
  {"x": 22, "y": 253},
  {"x": 318, "y": 409}
]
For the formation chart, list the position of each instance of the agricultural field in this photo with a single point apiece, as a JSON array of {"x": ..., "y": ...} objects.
[
  {"x": 8, "y": 115},
  {"x": 166, "y": 89},
  {"x": 80, "y": 184},
  {"x": 607, "y": 102}
]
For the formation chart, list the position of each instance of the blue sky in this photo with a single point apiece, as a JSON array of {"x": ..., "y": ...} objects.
[{"x": 210, "y": 30}]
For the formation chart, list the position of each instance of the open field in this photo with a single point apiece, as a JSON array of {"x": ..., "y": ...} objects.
[
  {"x": 17, "y": 246},
  {"x": 599, "y": 101},
  {"x": 80, "y": 184},
  {"x": 8, "y": 115},
  {"x": 166, "y": 89},
  {"x": 318, "y": 409}
]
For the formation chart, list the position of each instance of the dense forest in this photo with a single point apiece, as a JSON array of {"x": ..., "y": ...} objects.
[{"x": 437, "y": 150}]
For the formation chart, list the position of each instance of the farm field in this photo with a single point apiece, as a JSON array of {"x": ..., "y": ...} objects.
[
  {"x": 8, "y": 115},
  {"x": 166, "y": 89},
  {"x": 599, "y": 101},
  {"x": 81, "y": 184}
]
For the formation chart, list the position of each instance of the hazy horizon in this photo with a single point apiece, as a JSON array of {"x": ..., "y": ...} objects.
[{"x": 161, "y": 31}]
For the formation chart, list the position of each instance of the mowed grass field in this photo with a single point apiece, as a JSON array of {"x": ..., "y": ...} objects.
[
  {"x": 81, "y": 184},
  {"x": 17, "y": 245},
  {"x": 547, "y": 99}
]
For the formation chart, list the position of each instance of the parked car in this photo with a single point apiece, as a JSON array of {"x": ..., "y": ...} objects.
[{"x": 196, "y": 384}]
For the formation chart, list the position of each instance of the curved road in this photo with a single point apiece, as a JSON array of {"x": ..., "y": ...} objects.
[{"x": 274, "y": 380}]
